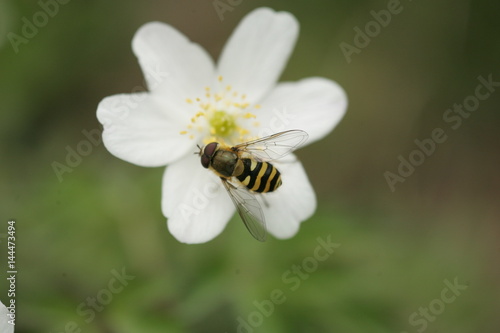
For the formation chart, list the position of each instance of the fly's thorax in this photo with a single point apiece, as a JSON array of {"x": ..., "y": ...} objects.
[{"x": 224, "y": 162}]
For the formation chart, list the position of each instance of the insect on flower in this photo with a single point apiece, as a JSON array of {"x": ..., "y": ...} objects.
[
  {"x": 245, "y": 171},
  {"x": 193, "y": 100}
]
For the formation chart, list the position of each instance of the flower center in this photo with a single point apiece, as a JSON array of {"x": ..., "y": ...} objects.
[
  {"x": 221, "y": 116},
  {"x": 222, "y": 124}
]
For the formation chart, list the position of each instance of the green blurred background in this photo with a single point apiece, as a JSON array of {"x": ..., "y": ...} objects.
[{"x": 396, "y": 248}]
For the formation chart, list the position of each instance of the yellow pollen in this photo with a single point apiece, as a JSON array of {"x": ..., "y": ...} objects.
[
  {"x": 249, "y": 115},
  {"x": 213, "y": 138},
  {"x": 243, "y": 131},
  {"x": 225, "y": 113},
  {"x": 222, "y": 124}
]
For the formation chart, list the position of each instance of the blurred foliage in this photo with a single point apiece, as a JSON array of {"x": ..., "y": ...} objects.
[{"x": 396, "y": 248}]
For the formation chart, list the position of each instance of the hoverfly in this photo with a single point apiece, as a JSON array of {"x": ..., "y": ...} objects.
[{"x": 245, "y": 170}]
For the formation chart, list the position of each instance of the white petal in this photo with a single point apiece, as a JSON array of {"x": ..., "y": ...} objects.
[
  {"x": 292, "y": 203},
  {"x": 5, "y": 327},
  {"x": 194, "y": 201},
  {"x": 257, "y": 51},
  {"x": 174, "y": 67},
  {"x": 139, "y": 129},
  {"x": 315, "y": 105}
]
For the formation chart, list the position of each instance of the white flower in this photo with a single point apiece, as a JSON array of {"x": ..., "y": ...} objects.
[
  {"x": 192, "y": 101},
  {"x": 5, "y": 326}
]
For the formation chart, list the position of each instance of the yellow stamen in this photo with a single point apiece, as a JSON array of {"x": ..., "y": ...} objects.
[
  {"x": 225, "y": 111},
  {"x": 243, "y": 131},
  {"x": 249, "y": 115}
]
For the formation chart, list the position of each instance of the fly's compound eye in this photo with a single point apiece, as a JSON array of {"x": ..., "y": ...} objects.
[
  {"x": 205, "y": 161},
  {"x": 210, "y": 149},
  {"x": 208, "y": 153}
]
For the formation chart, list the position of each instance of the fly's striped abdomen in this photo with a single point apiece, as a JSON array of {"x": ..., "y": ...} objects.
[{"x": 259, "y": 177}]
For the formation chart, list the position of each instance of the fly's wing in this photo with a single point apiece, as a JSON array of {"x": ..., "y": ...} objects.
[
  {"x": 274, "y": 146},
  {"x": 249, "y": 209}
]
